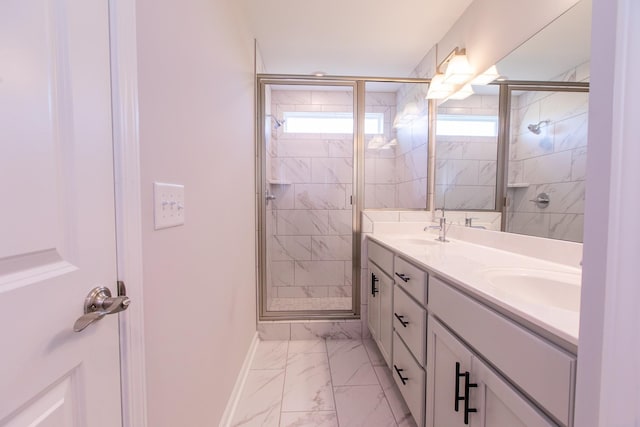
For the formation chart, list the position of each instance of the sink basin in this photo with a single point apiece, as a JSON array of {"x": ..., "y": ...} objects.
[{"x": 539, "y": 287}]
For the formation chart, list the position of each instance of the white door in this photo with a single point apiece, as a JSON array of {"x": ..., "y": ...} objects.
[
  {"x": 57, "y": 238},
  {"x": 373, "y": 302},
  {"x": 385, "y": 332},
  {"x": 447, "y": 361},
  {"x": 499, "y": 404}
]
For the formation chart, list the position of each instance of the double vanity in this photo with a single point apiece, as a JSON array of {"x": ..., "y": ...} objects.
[{"x": 476, "y": 331}]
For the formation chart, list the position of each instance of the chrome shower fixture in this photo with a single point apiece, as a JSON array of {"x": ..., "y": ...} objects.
[
  {"x": 277, "y": 123},
  {"x": 536, "y": 128}
]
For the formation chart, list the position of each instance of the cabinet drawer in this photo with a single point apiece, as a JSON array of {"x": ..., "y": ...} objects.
[
  {"x": 412, "y": 279},
  {"x": 410, "y": 322},
  {"x": 381, "y": 256},
  {"x": 413, "y": 387},
  {"x": 543, "y": 371}
]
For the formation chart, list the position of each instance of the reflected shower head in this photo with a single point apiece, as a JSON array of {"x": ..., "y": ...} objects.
[{"x": 536, "y": 128}]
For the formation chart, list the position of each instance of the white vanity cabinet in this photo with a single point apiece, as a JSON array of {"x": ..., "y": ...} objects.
[
  {"x": 542, "y": 372},
  {"x": 459, "y": 358},
  {"x": 379, "y": 291},
  {"x": 410, "y": 333},
  {"x": 464, "y": 391}
]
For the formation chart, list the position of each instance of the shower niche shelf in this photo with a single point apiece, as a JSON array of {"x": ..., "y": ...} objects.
[{"x": 278, "y": 182}]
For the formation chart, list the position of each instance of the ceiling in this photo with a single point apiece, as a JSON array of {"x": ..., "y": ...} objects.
[{"x": 382, "y": 38}]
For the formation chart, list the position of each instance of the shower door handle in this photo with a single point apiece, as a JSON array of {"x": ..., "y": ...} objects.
[{"x": 268, "y": 197}]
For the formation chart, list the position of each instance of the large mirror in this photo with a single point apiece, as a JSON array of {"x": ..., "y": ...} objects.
[{"x": 545, "y": 153}]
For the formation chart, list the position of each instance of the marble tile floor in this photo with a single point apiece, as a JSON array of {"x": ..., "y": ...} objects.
[
  {"x": 304, "y": 304},
  {"x": 320, "y": 383}
]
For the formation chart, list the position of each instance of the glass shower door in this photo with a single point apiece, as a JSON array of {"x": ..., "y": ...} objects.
[{"x": 307, "y": 213}]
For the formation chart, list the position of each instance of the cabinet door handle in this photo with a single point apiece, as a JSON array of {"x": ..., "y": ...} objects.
[
  {"x": 467, "y": 386},
  {"x": 401, "y": 319},
  {"x": 458, "y": 398},
  {"x": 374, "y": 280},
  {"x": 399, "y": 372},
  {"x": 403, "y": 277}
]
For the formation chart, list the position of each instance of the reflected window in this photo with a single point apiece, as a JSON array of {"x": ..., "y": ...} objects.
[{"x": 466, "y": 125}]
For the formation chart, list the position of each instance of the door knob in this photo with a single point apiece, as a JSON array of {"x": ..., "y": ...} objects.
[{"x": 98, "y": 304}]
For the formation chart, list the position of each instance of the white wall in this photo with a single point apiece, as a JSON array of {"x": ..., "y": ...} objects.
[
  {"x": 609, "y": 346},
  {"x": 196, "y": 128}
]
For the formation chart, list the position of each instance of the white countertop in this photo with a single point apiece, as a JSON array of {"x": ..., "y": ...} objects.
[{"x": 466, "y": 264}]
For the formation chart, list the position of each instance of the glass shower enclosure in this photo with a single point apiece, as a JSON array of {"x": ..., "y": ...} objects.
[
  {"x": 305, "y": 201},
  {"x": 327, "y": 149}
]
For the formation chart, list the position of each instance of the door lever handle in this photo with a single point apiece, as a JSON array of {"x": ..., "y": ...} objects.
[{"x": 98, "y": 304}]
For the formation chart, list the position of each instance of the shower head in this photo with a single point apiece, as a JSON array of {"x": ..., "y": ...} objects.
[
  {"x": 277, "y": 123},
  {"x": 536, "y": 128}
]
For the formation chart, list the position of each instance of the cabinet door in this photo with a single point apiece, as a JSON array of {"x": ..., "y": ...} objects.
[
  {"x": 385, "y": 296},
  {"x": 373, "y": 301},
  {"x": 500, "y": 405},
  {"x": 447, "y": 360}
]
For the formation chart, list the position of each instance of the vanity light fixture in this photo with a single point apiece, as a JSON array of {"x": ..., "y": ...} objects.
[
  {"x": 455, "y": 77},
  {"x": 462, "y": 93},
  {"x": 458, "y": 70},
  {"x": 438, "y": 89},
  {"x": 487, "y": 77}
]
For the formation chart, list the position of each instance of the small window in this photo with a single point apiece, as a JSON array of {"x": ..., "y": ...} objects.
[
  {"x": 466, "y": 125},
  {"x": 330, "y": 122}
]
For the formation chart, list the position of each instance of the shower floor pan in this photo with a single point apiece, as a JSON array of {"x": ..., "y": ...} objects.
[{"x": 300, "y": 304}]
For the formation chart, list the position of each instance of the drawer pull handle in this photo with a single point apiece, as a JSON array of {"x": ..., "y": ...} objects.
[
  {"x": 404, "y": 277},
  {"x": 401, "y": 319},
  {"x": 374, "y": 280},
  {"x": 399, "y": 372},
  {"x": 467, "y": 386}
]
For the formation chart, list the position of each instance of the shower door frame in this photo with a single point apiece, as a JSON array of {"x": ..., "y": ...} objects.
[
  {"x": 262, "y": 185},
  {"x": 358, "y": 85}
]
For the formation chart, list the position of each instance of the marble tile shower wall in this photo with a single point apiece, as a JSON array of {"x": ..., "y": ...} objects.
[
  {"x": 466, "y": 166},
  {"x": 552, "y": 162},
  {"x": 396, "y": 175},
  {"x": 311, "y": 244},
  {"x": 411, "y": 161},
  {"x": 380, "y": 189}
]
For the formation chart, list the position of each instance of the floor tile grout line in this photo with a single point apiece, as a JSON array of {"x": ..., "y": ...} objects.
[
  {"x": 333, "y": 393},
  {"x": 384, "y": 392},
  {"x": 284, "y": 381},
  {"x": 360, "y": 343}
]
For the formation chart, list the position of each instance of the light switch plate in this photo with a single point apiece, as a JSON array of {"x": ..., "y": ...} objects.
[{"x": 169, "y": 207}]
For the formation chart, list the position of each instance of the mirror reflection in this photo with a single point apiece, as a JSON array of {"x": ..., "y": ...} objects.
[
  {"x": 466, "y": 152},
  {"x": 546, "y": 140},
  {"x": 547, "y": 164}
]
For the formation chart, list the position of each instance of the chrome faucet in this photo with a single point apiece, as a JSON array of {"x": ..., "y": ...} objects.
[
  {"x": 442, "y": 236},
  {"x": 468, "y": 222}
]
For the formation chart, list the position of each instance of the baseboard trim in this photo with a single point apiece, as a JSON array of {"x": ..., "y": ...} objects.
[{"x": 232, "y": 404}]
